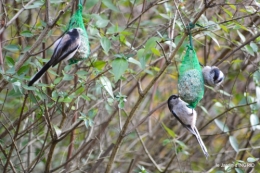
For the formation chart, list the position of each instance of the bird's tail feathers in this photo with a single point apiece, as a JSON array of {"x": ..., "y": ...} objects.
[
  {"x": 39, "y": 74},
  {"x": 203, "y": 147}
]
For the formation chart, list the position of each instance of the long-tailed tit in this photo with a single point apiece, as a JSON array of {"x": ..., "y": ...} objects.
[
  {"x": 212, "y": 76},
  {"x": 65, "y": 49},
  {"x": 187, "y": 117}
]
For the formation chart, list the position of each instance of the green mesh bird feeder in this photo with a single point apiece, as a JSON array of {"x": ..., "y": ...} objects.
[
  {"x": 190, "y": 81},
  {"x": 76, "y": 21}
]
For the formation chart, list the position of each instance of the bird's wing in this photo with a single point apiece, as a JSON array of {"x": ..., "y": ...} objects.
[
  {"x": 188, "y": 127},
  {"x": 66, "y": 45}
]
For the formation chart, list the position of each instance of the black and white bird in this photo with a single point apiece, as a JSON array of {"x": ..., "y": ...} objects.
[
  {"x": 212, "y": 75},
  {"x": 65, "y": 48},
  {"x": 187, "y": 117}
]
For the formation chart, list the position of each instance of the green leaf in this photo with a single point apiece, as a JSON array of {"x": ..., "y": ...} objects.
[
  {"x": 57, "y": 130},
  {"x": 227, "y": 168},
  {"x": 66, "y": 99},
  {"x": 134, "y": 61},
  {"x": 143, "y": 57},
  {"x": 85, "y": 97},
  {"x": 166, "y": 142},
  {"x": 82, "y": 74},
  {"x": 99, "y": 64},
  {"x": 10, "y": 62},
  {"x": 156, "y": 51},
  {"x": 252, "y": 159},
  {"x": 169, "y": 131},
  {"x": 249, "y": 50},
  {"x": 17, "y": 87},
  {"x": 106, "y": 44},
  {"x": 110, "y": 5},
  {"x": 250, "y": 9},
  {"x": 238, "y": 170},
  {"x": 79, "y": 91},
  {"x": 107, "y": 85},
  {"x": 219, "y": 171},
  {"x": 254, "y": 120},
  {"x": 92, "y": 113},
  {"x": 224, "y": 28},
  {"x": 113, "y": 29},
  {"x": 140, "y": 55},
  {"x": 151, "y": 43},
  {"x": 232, "y": 6},
  {"x": 82, "y": 116},
  {"x": 218, "y": 104},
  {"x": 11, "y": 48},
  {"x": 67, "y": 77},
  {"x": 31, "y": 88},
  {"x": 221, "y": 125},
  {"x": 26, "y": 33},
  {"x": 233, "y": 143},
  {"x": 11, "y": 71},
  {"x": 55, "y": 94},
  {"x": 204, "y": 109},
  {"x": 257, "y": 90},
  {"x": 212, "y": 36},
  {"x": 67, "y": 68},
  {"x": 122, "y": 39},
  {"x": 56, "y": 1},
  {"x": 91, "y": 3},
  {"x": 101, "y": 23},
  {"x": 237, "y": 61},
  {"x": 121, "y": 104},
  {"x": 242, "y": 37},
  {"x": 227, "y": 11},
  {"x": 36, "y": 4},
  {"x": 57, "y": 80},
  {"x": 254, "y": 46},
  {"x": 23, "y": 69},
  {"x": 119, "y": 66},
  {"x": 256, "y": 78}
]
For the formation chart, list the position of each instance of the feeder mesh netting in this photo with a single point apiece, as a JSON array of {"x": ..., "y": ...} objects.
[
  {"x": 76, "y": 21},
  {"x": 190, "y": 82}
]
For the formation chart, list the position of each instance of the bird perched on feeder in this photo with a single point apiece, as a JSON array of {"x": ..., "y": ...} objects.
[
  {"x": 187, "y": 117},
  {"x": 212, "y": 75},
  {"x": 72, "y": 46},
  {"x": 65, "y": 48}
]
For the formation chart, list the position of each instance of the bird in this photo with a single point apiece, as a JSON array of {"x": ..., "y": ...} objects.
[
  {"x": 65, "y": 48},
  {"x": 212, "y": 75},
  {"x": 187, "y": 117}
]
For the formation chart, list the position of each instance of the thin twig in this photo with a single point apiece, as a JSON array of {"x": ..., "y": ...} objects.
[
  {"x": 102, "y": 157},
  {"x": 147, "y": 152},
  {"x": 15, "y": 17},
  {"x": 238, "y": 48},
  {"x": 15, "y": 135},
  {"x": 146, "y": 117},
  {"x": 223, "y": 113}
]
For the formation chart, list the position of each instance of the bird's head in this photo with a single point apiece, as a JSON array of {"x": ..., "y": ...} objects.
[
  {"x": 173, "y": 100},
  {"x": 212, "y": 75},
  {"x": 217, "y": 75}
]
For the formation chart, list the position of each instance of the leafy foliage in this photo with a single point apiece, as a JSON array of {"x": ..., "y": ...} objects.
[{"x": 108, "y": 113}]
